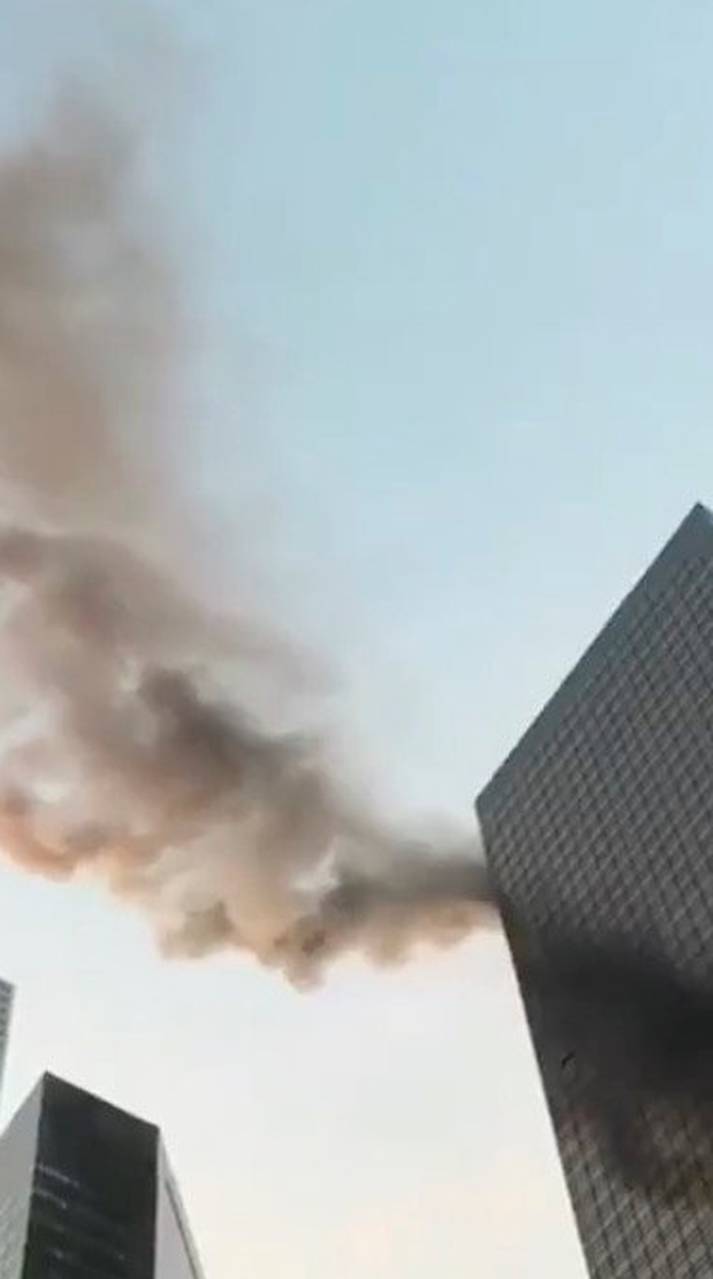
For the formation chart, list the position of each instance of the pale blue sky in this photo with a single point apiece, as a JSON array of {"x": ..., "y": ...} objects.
[{"x": 453, "y": 268}]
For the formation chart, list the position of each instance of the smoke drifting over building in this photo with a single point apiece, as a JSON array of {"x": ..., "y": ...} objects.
[{"x": 122, "y": 756}]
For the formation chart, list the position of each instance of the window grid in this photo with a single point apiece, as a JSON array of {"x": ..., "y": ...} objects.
[{"x": 598, "y": 828}]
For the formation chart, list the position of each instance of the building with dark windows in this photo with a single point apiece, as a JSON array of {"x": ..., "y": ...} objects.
[
  {"x": 6, "y": 997},
  {"x": 86, "y": 1191},
  {"x": 599, "y": 834}
]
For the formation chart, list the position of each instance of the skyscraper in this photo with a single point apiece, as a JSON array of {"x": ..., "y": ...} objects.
[
  {"x": 6, "y": 997},
  {"x": 599, "y": 835},
  {"x": 85, "y": 1190}
]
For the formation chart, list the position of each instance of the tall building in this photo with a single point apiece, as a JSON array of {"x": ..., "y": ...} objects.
[
  {"x": 86, "y": 1191},
  {"x": 599, "y": 834},
  {"x": 6, "y": 998}
]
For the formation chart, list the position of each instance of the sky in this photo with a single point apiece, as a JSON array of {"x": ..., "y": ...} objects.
[{"x": 451, "y": 267}]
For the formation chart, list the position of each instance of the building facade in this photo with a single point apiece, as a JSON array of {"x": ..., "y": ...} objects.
[
  {"x": 6, "y": 998},
  {"x": 85, "y": 1190},
  {"x": 598, "y": 830}
]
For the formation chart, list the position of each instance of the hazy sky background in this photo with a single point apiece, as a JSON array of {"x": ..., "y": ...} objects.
[{"x": 452, "y": 268}]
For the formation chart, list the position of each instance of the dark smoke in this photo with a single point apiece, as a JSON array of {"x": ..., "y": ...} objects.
[
  {"x": 122, "y": 755},
  {"x": 631, "y": 1040}
]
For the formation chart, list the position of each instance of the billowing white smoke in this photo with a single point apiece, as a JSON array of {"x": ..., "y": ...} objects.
[{"x": 120, "y": 752}]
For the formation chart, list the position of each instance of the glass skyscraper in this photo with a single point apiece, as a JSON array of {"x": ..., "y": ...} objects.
[
  {"x": 86, "y": 1191},
  {"x": 598, "y": 830}
]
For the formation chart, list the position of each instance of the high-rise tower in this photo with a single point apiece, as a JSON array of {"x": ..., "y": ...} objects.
[
  {"x": 599, "y": 835},
  {"x": 85, "y": 1190}
]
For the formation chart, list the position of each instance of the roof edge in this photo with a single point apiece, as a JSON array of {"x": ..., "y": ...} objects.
[{"x": 694, "y": 533}]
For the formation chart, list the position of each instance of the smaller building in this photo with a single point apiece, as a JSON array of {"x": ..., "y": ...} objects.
[{"x": 86, "y": 1190}]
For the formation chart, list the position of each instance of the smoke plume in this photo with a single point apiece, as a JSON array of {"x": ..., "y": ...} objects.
[
  {"x": 628, "y": 1038},
  {"x": 121, "y": 754}
]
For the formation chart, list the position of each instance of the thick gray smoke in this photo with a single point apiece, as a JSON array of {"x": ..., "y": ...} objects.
[{"x": 121, "y": 754}]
